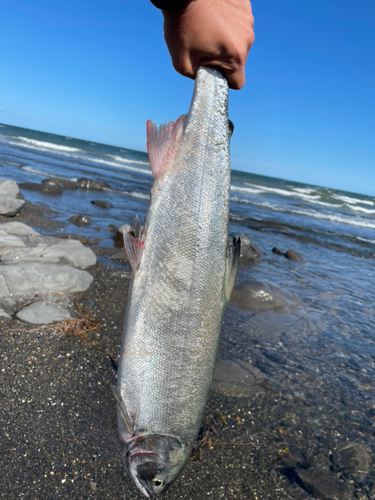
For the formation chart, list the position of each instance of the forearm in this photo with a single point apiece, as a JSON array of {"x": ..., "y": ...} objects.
[{"x": 169, "y": 4}]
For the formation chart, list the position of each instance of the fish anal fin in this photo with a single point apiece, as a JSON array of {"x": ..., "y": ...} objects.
[
  {"x": 134, "y": 249},
  {"x": 123, "y": 411},
  {"x": 160, "y": 140},
  {"x": 233, "y": 260}
]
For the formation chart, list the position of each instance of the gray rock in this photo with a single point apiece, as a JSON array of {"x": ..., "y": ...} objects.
[
  {"x": 8, "y": 241},
  {"x": 8, "y": 187},
  {"x": 277, "y": 251},
  {"x": 102, "y": 204},
  {"x": 33, "y": 277},
  {"x": 112, "y": 228},
  {"x": 4, "y": 290},
  {"x": 85, "y": 183},
  {"x": 17, "y": 228},
  {"x": 118, "y": 238},
  {"x": 70, "y": 252},
  {"x": 292, "y": 254},
  {"x": 10, "y": 206},
  {"x": 323, "y": 484},
  {"x": 66, "y": 183},
  {"x": 353, "y": 459},
  {"x": 249, "y": 250},
  {"x": 49, "y": 187},
  {"x": 120, "y": 256},
  {"x": 42, "y": 314},
  {"x": 80, "y": 220},
  {"x": 259, "y": 296},
  {"x": 235, "y": 378},
  {"x": 5, "y": 315}
]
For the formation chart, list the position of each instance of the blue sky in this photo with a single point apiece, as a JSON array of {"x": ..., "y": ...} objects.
[{"x": 98, "y": 70}]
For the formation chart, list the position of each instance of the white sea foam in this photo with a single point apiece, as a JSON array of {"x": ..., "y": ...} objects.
[
  {"x": 245, "y": 190},
  {"x": 284, "y": 192},
  {"x": 352, "y": 201},
  {"x": 304, "y": 190},
  {"x": 361, "y": 209},
  {"x": 32, "y": 170},
  {"x": 45, "y": 146},
  {"x": 126, "y": 166},
  {"x": 366, "y": 240},
  {"x": 134, "y": 194},
  {"x": 128, "y": 160}
]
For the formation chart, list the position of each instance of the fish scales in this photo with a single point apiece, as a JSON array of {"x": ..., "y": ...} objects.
[{"x": 178, "y": 293}]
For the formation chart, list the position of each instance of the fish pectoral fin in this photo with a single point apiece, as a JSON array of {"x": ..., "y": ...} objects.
[
  {"x": 159, "y": 140},
  {"x": 124, "y": 412},
  {"x": 134, "y": 246},
  {"x": 233, "y": 260}
]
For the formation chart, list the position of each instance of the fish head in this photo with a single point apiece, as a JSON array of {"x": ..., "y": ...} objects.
[{"x": 154, "y": 461}]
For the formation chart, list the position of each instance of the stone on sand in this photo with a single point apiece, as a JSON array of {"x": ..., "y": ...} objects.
[
  {"x": 235, "y": 378},
  {"x": 8, "y": 241},
  {"x": 42, "y": 314},
  {"x": 33, "y": 277},
  {"x": 70, "y": 252},
  {"x": 8, "y": 187},
  {"x": 259, "y": 296},
  {"x": 17, "y": 228},
  {"x": 10, "y": 206},
  {"x": 3, "y": 314},
  {"x": 293, "y": 255}
]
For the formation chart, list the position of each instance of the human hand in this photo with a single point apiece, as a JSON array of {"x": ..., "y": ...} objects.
[{"x": 210, "y": 33}]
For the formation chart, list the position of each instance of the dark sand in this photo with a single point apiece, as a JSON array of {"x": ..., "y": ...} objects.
[{"x": 58, "y": 414}]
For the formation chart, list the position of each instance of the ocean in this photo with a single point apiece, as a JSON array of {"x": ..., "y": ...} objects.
[{"x": 320, "y": 353}]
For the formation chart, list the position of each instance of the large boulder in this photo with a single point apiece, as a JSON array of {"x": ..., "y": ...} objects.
[
  {"x": 8, "y": 188},
  {"x": 259, "y": 296},
  {"x": 10, "y": 206},
  {"x": 17, "y": 228},
  {"x": 70, "y": 252},
  {"x": 33, "y": 277}
]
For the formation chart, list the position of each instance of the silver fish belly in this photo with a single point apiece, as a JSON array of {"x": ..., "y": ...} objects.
[{"x": 183, "y": 272}]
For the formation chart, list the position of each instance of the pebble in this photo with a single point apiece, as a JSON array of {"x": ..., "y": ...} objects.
[
  {"x": 102, "y": 204},
  {"x": 80, "y": 220},
  {"x": 8, "y": 188},
  {"x": 42, "y": 314},
  {"x": 293, "y": 255},
  {"x": 277, "y": 251},
  {"x": 10, "y": 206}
]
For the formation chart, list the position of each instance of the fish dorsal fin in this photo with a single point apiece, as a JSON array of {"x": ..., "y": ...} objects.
[
  {"x": 124, "y": 412},
  {"x": 233, "y": 260},
  {"x": 159, "y": 141}
]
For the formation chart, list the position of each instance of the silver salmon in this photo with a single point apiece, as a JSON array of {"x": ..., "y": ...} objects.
[{"x": 184, "y": 268}]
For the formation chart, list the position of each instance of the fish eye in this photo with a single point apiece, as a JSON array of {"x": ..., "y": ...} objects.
[{"x": 158, "y": 483}]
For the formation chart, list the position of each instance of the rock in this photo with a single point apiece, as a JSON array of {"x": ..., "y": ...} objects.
[
  {"x": 235, "y": 378},
  {"x": 119, "y": 256},
  {"x": 50, "y": 187},
  {"x": 323, "y": 484},
  {"x": 4, "y": 290},
  {"x": 10, "y": 206},
  {"x": 33, "y": 277},
  {"x": 85, "y": 183},
  {"x": 80, "y": 220},
  {"x": 47, "y": 187},
  {"x": 66, "y": 183},
  {"x": 17, "y": 228},
  {"x": 93, "y": 485},
  {"x": 249, "y": 250},
  {"x": 8, "y": 241},
  {"x": 112, "y": 228},
  {"x": 8, "y": 188},
  {"x": 353, "y": 459},
  {"x": 70, "y": 252},
  {"x": 102, "y": 204},
  {"x": 42, "y": 314},
  {"x": 259, "y": 296},
  {"x": 118, "y": 238},
  {"x": 277, "y": 251},
  {"x": 4, "y": 315},
  {"x": 292, "y": 254}
]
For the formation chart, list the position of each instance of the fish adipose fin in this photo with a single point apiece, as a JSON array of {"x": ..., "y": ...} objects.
[
  {"x": 160, "y": 140},
  {"x": 134, "y": 245},
  {"x": 233, "y": 260},
  {"x": 124, "y": 412}
]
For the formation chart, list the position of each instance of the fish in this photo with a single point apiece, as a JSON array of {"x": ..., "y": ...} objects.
[{"x": 184, "y": 267}]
